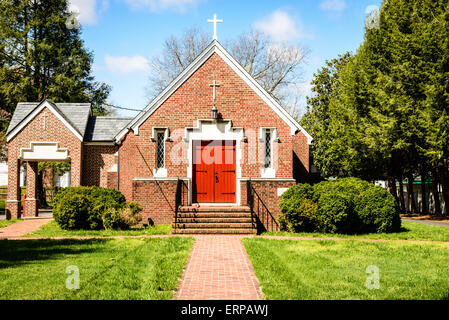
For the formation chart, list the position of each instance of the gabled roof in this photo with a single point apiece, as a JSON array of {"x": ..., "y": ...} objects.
[
  {"x": 214, "y": 47},
  {"x": 76, "y": 116},
  {"x": 73, "y": 115},
  {"x": 104, "y": 128}
]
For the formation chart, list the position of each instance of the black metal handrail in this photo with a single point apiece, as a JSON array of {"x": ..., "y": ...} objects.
[
  {"x": 264, "y": 219},
  {"x": 179, "y": 198}
]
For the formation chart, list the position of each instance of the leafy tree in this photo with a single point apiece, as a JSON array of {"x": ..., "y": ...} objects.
[
  {"x": 5, "y": 117},
  {"x": 387, "y": 115},
  {"x": 42, "y": 56},
  {"x": 327, "y": 122}
]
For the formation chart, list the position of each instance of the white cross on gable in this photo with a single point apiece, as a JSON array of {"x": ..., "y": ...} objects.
[
  {"x": 214, "y": 84},
  {"x": 215, "y": 21},
  {"x": 45, "y": 121}
]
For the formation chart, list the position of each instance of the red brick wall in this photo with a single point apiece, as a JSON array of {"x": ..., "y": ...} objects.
[
  {"x": 31, "y": 202},
  {"x": 55, "y": 131},
  {"x": 193, "y": 101},
  {"x": 97, "y": 161},
  {"x": 157, "y": 197},
  {"x": 301, "y": 166},
  {"x": 112, "y": 180},
  {"x": 268, "y": 193}
]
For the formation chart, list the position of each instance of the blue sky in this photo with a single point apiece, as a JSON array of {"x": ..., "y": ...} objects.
[{"x": 125, "y": 34}]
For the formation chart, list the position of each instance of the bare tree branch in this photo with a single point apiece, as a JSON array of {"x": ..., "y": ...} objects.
[{"x": 275, "y": 66}]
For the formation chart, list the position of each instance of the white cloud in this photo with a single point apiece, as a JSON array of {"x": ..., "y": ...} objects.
[
  {"x": 371, "y": 8},
  {"x": 280, "y": 27},
  {"x": 336, "y": 6},
  {"x": 126, "y": 64},
  {"x": 89, "y": 10},
  {"x": 159, "y": 5},
  {"x": 86, "y": 9}
]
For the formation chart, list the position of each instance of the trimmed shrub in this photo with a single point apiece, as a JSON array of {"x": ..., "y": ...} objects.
[
  {"x": 346, "y": 206},
  {"x": 335, "y": 213},
  {"x": 336, "y": 201},
  {"x": 72, "y": 211},
  {"x": 107, "y": 197},
  {"x": 296, "y": 213},
  {"x": 349, "y": 187},
  {"x": 111, "y": 219},
  {"x": 378, "y": 211},
  {"x": 93, "y": 208}
]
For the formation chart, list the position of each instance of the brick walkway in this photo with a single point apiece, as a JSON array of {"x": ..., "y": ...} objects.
[
  {"x": 219, "y": 269},
  {"x": 21, "y": 228}
]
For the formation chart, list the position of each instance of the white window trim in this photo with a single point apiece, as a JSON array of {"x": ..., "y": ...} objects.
[
  {"x": 269, "y": 172},
  {"x": 160, "y": 172},
  {"x": 159, "y": 129}
]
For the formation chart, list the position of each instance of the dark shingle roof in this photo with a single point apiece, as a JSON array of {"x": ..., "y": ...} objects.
[
  {"x": 78, "y": 116},
  {"x": 22, "y": 110},
  {"x": 104, "y": 128}
]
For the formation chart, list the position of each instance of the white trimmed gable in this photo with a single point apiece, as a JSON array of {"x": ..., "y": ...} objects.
[
  {"x": 217, "y": 48},
  {"x": 45, "y": 104}
]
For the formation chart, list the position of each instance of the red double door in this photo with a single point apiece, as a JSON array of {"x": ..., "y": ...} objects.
[{"x": 214, "y": 175}]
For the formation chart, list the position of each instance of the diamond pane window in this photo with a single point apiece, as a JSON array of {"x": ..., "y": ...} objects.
[
  {"x": 267, "y": 162},
  {"x": 160, "y": 150}
]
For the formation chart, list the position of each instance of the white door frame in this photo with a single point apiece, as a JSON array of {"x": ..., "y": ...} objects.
[{"x": 208, "y": 129}]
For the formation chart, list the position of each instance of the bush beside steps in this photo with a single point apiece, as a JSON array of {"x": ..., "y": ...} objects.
[
  {"x": 345, "y": 206},
  {"x": 94, "y": 208}
]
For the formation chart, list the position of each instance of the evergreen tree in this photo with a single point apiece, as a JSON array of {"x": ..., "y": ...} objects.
[
  {"x": 42, "y": 56},
  {"x": 317, "y": 119},
  {"x": 387, "y": 117}
]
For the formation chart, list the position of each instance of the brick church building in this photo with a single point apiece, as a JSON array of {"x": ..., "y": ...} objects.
[{"x": 211, "y": 150}]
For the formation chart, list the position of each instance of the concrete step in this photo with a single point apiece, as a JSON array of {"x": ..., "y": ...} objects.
[
  {"x": 206, "y": 215},
  {"x": 213, "y": 225},
  {"x": 215, "y": 231},
  {"x": 217, "y": 209},
  {"x": 213, "y": 219}
]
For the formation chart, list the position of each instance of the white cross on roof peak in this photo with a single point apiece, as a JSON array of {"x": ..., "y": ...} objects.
[{"x": 215, "y": 21}]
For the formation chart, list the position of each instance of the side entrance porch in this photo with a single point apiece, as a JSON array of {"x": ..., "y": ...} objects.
[{"x": 29, "y": 205}]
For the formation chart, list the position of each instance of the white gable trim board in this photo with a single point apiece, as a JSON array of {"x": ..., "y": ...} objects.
[
  {"x": 214, "y": 47},
  {"x": 34, "y": 113}
]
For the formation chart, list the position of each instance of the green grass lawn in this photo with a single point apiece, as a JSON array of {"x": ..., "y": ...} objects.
[
  {"x": 336, "y": 270},
  {"x": 52, "y": 229},
  {"x": 410, "y": 231},
  {"x": 108, "y": 268},
  {"x": 5, "y": 223}
]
